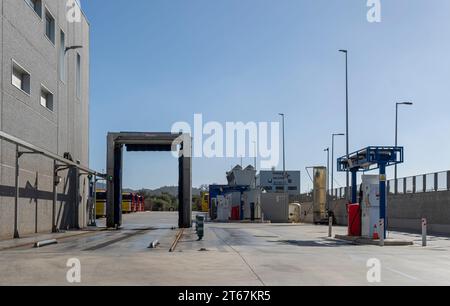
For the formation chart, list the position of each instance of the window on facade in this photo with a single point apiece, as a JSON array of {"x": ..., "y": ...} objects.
[
  {"x": 36, "y": 5},
  {"x": 20, "y": 78},
  {"x": 46, "y": 98},
  {"x": 62, "y": 57},
  {"x": 50, "y": 26},
  {"x": 280, "y": 188},
  {"x": 292, "y": 188},
  {"x": 78, "y": 76}
]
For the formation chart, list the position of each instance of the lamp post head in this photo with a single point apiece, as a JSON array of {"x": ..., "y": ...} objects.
[
  {"x": 343, "y": 51},
  {"x": 72, "y": 48},
  {"x": 340, "y": 134},
  {"x": 405, "y": 103}
]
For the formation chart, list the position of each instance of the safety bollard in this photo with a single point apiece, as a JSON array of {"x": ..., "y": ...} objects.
[
  {"x": 330, "y": 227},
  {"x": 200, "y": 226},
  {"x": 424, "y": 232},
  {"x": 381, "y": 232}
]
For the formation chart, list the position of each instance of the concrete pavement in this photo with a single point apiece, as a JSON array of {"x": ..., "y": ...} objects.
[{"x": 230, "y": 254}]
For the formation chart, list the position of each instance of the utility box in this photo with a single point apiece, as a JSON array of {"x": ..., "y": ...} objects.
[
  {"x": 370, "y": 206},
  {"x": 223, "y": 209},
  {"x": 275, "y": 207}
]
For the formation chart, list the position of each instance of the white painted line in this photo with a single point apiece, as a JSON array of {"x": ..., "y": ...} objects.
[{"x": 403, "y": 274}]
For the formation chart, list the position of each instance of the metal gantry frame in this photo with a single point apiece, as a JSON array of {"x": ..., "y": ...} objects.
[
  {"x": 148, "y": 142},
  {"x": 368, "y": 159},
  {"x": 59, "y": 164}
]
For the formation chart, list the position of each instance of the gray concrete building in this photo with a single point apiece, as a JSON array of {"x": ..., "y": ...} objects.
[
  {"x": 44, "y": 100},
  {"x": 278, "y": 182}
]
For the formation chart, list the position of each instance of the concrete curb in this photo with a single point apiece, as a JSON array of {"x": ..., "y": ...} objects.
[
  {"x": 366, "y": 241},
  {"x": 32, "y": 241}
]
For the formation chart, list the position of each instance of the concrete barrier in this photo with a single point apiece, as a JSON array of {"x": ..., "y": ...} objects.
[{"x": 405, "y": 212}]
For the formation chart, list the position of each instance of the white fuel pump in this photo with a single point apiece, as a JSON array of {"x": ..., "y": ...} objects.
[{"x": 370, "y": 206}]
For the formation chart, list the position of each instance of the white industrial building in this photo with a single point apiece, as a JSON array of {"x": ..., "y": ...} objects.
[
  {"x": 252, "y": 196},
  {"x": 242, "y": 177}
]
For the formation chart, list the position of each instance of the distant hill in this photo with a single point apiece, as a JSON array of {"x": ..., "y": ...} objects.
[{"x": 172, "y": 190}]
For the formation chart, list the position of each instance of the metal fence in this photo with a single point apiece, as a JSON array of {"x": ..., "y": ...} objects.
[{"x": 432, "y": 182}]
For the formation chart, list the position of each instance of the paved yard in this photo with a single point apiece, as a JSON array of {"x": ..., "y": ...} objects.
[{"x": 230, "y": 254}]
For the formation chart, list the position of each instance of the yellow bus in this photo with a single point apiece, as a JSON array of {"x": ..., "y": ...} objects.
[
  {"x": 205, "y": 201},
  {"x": 127, "y": 203},
  {"x": 100, "y": 204}
]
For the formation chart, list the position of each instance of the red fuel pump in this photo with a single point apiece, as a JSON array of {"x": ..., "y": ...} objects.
[{"x": 354, "y": 220}]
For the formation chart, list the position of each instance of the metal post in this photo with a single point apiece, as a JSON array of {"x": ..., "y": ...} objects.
[
  {"x": 382, "y": 230},
  {"x": 436, "y": 182},
  {"x": 93, "y": 217},
  {"x": 55, "y": 197},
  {"x": 424, "y": 232},
  {"x": 396, "y": 145},
  {"x": 284, "y": 152},
  {"x": 347, "y": 119},
  {"x": 354, "y": 186},
  {"x": 383, "y": 195},
  {"x": 17, "y": 194},
  {"x": 448, "y": 180},
  {"x": 76, "y": 215},
  {"x": 328, "y": 179},
  {"x": 332, "y": 160},
  {"x": 396, "y": 135},
  {"x": 332, "y": 166}
]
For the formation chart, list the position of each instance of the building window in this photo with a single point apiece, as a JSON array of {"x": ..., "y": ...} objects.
[
  {"x": 62, "y": 57},
  {"x": 78, "y": 76},
  {"x": 20, "y": 78},
  {"x": 268, "y": 188},
  {"x": 50, "y": 27},
  {"x": 46, "y": 98},
  {"x": 280, "y": 188},
  {"x": 36, "y": 5},
  {"x": 292, "y": 188}
]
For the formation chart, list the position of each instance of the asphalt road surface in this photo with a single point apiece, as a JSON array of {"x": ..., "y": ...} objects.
[{"x": 230, "y": 254}]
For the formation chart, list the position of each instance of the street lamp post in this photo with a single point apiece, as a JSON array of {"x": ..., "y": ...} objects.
[
  {"x": 328, "y": 177},
  {"x": 284, "y": 147},
  {"x": 332, "y": 159},
  {"x": 396, "y": 135},
  {"x": 347, "y": 119}
]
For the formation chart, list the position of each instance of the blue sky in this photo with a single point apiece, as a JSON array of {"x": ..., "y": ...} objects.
[{"x": 156, "y": 62}]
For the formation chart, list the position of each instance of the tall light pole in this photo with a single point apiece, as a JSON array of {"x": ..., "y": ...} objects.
[
  {"x": 256, "y": 160},
  {"x": 396, "y": 134},
  {"x": 328, "y": 177},
  {"x": 332, "y": 159},
  {"x": 284, "y": 146},
  {"x": 346, "y": 121}
]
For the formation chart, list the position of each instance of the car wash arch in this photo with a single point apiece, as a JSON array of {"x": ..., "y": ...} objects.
[{"x": 148, "y": 142}]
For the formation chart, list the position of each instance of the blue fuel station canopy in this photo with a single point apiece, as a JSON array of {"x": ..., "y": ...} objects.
[
  {"x": 368, "y": 159},
  {"x": 371, "y": 158}
]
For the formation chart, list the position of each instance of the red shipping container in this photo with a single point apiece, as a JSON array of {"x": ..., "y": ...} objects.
[{"x": 354, "y": 220}]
